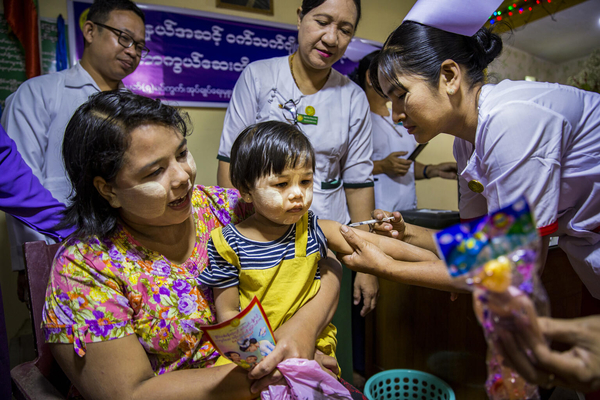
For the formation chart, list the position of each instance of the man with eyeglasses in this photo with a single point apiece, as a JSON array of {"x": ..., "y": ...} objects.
[{"x": 38, "y": 112}]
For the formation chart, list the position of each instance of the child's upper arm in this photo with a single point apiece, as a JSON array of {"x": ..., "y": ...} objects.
[{"x": 335, "y": 240}]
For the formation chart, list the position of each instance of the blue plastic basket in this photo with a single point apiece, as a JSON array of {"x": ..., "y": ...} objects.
[{"x": 406, "y": 384}]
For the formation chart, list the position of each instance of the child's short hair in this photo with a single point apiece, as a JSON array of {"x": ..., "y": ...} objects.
[{"x": 267, "y": 148}]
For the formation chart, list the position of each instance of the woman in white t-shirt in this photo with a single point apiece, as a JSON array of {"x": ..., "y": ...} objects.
[
  {"x": 331, "y": 110},
  {"x": 393, "y": 174}
]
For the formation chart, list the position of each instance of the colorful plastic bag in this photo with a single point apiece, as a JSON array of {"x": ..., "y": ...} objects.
[
  {"x": 497, "y": 258},
  {"x": 305, "y": 381}
]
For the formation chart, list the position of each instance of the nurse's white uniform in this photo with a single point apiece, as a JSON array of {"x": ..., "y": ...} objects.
[
  {"x": 542, "y": 141},
  {"x": 397, "y": 193},
  {"x": 342, "y": 137}
]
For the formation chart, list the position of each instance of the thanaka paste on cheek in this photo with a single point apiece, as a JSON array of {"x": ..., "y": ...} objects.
[
  {"x": 146, "y": 200},
  {"x": 192, "y": 163}
]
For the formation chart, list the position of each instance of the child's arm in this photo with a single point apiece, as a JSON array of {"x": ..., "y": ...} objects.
[
  {"x": 227, "y": 302},
  {"x": 397, "y": 249}
]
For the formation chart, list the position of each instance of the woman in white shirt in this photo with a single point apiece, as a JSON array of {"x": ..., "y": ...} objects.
[
  {"x": 331, "y": 110},
  {"x": 393, "y": 173}
]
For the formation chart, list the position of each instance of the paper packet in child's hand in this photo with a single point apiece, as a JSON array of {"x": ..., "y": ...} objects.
[
  {"x": 305, "y": 381},
  {"x": 497, "y": 258},
  {"x": 244, "y": 339}
]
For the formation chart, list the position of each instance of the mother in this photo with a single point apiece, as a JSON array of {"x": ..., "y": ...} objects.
[
  {"x": 332, "y": 111},
  {"x": 123, "y": 292}
]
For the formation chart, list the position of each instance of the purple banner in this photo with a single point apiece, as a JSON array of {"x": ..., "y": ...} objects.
[{"x": 196, "y": 57}]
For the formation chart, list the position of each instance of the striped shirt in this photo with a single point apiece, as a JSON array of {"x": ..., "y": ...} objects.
[{"x": 258, "y": 255}]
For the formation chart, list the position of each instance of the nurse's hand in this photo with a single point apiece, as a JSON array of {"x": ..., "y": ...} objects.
[
  {"x": 367, "y": 287},
  {"x": 393, "y": 165},
  {"x": 395, "y": 228},
  {"x": 366, "y": 257}
]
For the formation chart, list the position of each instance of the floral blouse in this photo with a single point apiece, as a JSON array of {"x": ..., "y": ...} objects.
[{"x": 107, "y": 288}]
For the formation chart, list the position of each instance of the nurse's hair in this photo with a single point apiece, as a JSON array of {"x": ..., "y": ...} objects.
[
  {"x": 309, "y": 5},
  {"x": 359, "y": 75},
  {"x": 268, "y": 148},
  {"x": 417, "y": 49},
  {"x": 95, "y": 143}
]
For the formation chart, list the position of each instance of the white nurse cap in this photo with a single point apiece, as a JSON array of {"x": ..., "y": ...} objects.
[{"x": 464, "y": 17}]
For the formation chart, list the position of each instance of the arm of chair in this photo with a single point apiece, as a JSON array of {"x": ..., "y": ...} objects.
[{"x": 28, "y": 383}]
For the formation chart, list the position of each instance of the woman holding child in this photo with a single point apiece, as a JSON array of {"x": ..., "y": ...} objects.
[
  {"x": 125, "y": 304},
  {"x": 124, "y": 309}
]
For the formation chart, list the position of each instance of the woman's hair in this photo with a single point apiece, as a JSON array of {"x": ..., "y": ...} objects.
[
  {"x": 95, "y": 142},
  {"x": 418, "y": 49},
  {"x": 359, "y": 75},
  {"x": 267, "y": 148},
  {"x": 309, "y": 5}
]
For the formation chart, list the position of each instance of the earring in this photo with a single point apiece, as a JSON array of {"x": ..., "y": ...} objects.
[{"x": 450, "y": 91}]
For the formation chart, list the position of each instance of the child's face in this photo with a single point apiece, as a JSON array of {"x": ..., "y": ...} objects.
[{"x": 284, "y": 198}]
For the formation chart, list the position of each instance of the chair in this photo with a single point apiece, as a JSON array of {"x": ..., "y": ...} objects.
[{"x": 42, "y": 378}]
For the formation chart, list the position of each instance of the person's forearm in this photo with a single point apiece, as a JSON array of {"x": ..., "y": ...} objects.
[
  {"x": 420, "y": 237},
  {"x": 429, "y": 274},
  {"x": 218, "y": 383},
  {"x": 120, "y": 369},
  {"x": 223, "y": 175},
  {"x": 419, "y": 171},
  {"x": 361, "y": 202},
  {"x": 399, "y": 250},
  {"x": 379, "y": 167},
  {"x": 227, "y": 303}
]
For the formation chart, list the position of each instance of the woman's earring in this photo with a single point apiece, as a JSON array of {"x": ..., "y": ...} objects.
[{"x": 450, "y": 91}]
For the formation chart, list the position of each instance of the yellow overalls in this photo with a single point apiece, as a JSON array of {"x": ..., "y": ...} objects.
[{"x": 283, "y": 289}]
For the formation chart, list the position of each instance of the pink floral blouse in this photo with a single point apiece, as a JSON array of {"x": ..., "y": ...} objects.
[{"x": 107, "y": 288}]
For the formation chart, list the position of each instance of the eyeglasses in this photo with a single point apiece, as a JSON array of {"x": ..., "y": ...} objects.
[
  {"x": 127, "y": 41},
  {"x": 290, "y": 111}
]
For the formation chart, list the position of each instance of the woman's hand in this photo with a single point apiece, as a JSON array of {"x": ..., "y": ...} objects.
[
  {"x": 328, "y": 364},
  {"x": 366, "y": 256},
  {"x": 577, "y": 368},
  {"x": 366, "y": 287}
]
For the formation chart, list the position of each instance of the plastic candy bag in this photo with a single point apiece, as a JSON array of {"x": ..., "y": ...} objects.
[
  {"x": 305, "y": 381},
  {"x": 497, "y": 258}
]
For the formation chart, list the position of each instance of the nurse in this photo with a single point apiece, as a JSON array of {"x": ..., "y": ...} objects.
[
  {"x": 393, "y": 173},
  {"x": 516, "y": 138},
  {"x": 332, "y": 111}
]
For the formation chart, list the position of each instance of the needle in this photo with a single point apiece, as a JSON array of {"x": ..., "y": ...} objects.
[{"x": 371, "y": 221}]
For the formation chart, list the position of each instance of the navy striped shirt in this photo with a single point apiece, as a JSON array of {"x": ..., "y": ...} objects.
[{"x": 258, "y": 255}]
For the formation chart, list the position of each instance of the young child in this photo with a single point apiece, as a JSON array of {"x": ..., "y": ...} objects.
[{"x": 274, "y": 253}]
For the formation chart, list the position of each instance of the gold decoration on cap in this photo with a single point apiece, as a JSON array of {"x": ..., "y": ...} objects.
[{"x": 476, "y": 186}]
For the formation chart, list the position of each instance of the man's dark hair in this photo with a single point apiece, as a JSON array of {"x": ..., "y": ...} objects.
[
  {"x": 101, "y": 9},
  {"x": 95, "y": 142},
  {"x": 267, "y": 148}
]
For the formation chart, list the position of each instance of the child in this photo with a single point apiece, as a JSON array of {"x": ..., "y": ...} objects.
[{"x": 274, "y": 253}]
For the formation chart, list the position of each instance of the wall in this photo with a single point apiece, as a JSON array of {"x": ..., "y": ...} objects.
[{"x": 515, "y": 64}]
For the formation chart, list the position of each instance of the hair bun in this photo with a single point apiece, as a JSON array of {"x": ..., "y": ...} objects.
[{"x": 488, "y": 46}]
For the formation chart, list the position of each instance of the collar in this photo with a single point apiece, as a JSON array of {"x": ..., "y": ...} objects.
[{"x": 78, "y": 77}]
